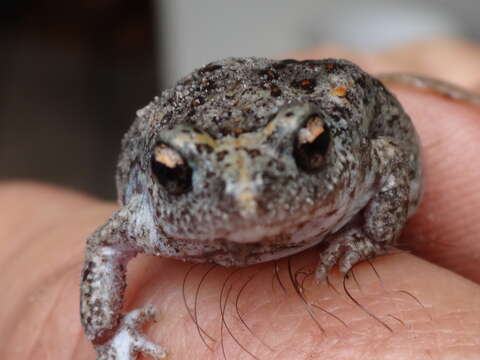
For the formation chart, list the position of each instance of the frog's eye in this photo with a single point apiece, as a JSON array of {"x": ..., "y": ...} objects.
[
  {"x": 171, "y": 170},
  {"x": 312, "y": 144}
]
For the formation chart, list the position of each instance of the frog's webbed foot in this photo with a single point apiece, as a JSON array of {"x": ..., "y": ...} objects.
[
  {"x": 128, "y": 341},
  {"x": 347, "y": 248}
]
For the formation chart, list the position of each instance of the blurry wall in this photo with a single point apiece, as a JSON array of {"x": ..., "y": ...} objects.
[
  {"x": 202, "y": 31},
  {"x": 72, "y": 74}
]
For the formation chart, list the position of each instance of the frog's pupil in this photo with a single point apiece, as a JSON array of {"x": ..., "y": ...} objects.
[
  {"x": 176, "y": 180},
  {"x": 310, "y": 155}
]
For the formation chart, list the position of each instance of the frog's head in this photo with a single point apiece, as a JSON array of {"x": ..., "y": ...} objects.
[{"x": 242, "y": 187}]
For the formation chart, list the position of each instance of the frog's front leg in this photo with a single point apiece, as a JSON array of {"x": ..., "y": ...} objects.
[
  {"x": 375, "y": 229},
  {"x": 115, "y": 335}
]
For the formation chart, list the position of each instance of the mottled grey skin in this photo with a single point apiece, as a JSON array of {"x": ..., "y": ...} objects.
[{"x": 236, "y": 123}]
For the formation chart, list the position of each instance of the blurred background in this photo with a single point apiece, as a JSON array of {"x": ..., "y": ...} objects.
[{"x": 72, "y": 74}]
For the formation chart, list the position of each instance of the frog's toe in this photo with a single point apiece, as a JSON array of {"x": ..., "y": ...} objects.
[
  {"x": 346, "y": 248},
  {"x": 328, "y": 259},
  {"x": 128, "y": 341},
  {"x": 357, "y": 250}
]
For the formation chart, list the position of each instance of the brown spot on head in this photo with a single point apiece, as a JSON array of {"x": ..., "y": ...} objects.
[
  {"x": 221, "y": 155},
  {"x": 307, "y": 85},
  {"x": 340, "y": 91},
  {"x": 275, "y": 91},
  {"x": 238, "y": 131},
  {"x": 253, "y": 153}
]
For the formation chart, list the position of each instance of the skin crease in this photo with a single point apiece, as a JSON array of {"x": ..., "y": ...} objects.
[{"x": 40, "y": 266}]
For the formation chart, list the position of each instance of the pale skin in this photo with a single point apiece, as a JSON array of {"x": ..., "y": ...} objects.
[{"x": 43, "y": 230}]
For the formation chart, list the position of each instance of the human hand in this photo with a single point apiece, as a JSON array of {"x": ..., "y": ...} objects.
[{"x": 43, "y": 231}]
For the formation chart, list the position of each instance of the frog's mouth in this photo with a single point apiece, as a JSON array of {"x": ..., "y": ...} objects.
[
  {"x": 254, "y": 244},
  {"x": 227, "y": 253},
  {"x": 258, "y": 233}
]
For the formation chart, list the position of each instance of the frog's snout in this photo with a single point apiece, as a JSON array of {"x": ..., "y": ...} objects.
[{"x": 242, "y": 183}]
